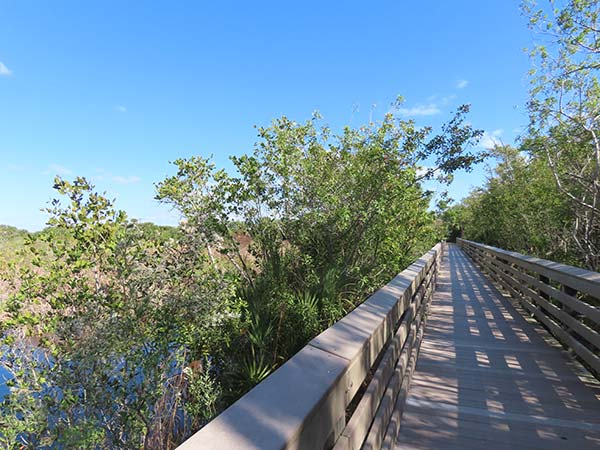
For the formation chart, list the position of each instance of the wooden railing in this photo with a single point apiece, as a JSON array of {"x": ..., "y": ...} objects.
[
  {"x": 563, "y": 298},
  {"x": 347, "y": 387}
]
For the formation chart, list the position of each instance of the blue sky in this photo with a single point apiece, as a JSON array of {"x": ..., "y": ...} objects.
[{"x": 115, "y": 90}]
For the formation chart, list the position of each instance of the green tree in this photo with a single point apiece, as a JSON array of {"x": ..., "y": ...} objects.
[
  {"x": 328, "y": 219},
  {"x": 564, "y": 109},
  {"x": 100, "y": 330},
  {"x": 127, "y": 335},
  {"x": 543, "y": 198},
  {"x": 519, "y": 208}
]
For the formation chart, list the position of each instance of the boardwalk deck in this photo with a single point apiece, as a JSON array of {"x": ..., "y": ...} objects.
[{"x": 488, "y": 378}]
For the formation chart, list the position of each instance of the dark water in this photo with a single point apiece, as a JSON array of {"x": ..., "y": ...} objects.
[{"x": 4, "y": 376}]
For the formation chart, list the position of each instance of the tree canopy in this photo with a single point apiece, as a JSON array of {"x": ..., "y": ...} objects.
[
  {"x": 543, "y": 197},
  {"x": 121, "y": 334}
]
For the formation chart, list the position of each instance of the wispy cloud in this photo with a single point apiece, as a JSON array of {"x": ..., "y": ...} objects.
[
  {"x": 121, "y": 108},
  {"x": 57, "y": 169},
  {"x": 4, "y": 71},
  {"x": 126, "y": 180},
  {"x": 461, "y": 84},
  {"x": 438, "y": 100},
  {"x": 14, "y": 167},
  {"x": 429, "y": 109},
  {"x": 448, "y": 99},
  {"x": 491, "y": 138}
]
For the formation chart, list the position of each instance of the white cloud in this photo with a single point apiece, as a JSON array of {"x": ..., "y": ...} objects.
[
  {"x": 435, "y": 100},
  {"x": 4, "y": 70},
  {"x": 420, "y": 110},
  {"x": 57, "y": 169},
  {"x": 448, "y": 99},
  {"x": 491, "y": 138},
  {"x": 121, "y": 108},
  {"x": 126, "y": 180},
  {"x": 461, "y": 84}
]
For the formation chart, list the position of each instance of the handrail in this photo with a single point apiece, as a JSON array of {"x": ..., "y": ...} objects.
[
  {"x": 558, "y": 295},
  {"x": 361, "y": 365}
]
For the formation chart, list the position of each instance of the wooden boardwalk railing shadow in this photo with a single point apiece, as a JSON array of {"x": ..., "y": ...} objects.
[{"x": 488, "y": 378}]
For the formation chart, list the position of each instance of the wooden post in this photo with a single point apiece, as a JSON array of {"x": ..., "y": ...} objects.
[
  {"x": 567, "y": 309},
  {"x": 544, "y": 279}
]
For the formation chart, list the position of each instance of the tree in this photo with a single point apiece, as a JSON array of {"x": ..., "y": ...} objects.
[
  {"x": 126, "y": 335},
  {"x": 328, "y": 219},
  {"x": 564, "y": 109},
  {"x": 99, "y": 333},
  {"x": 519, "y": 208}
]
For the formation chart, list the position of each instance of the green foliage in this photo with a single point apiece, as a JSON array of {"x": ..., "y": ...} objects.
[
  {"x": 8, "y": 233},
  {"x": 544, "y": 197},
  {"x": 120, "y": 334},
  {"x": 111, "y": 309},
  {"x": 204, "y": 393},
  {"x": 452, "y": 219},
  {"x": 564, "y": 109},
  {"x": 518, "y": 209},
  {"x": 327, "y": 219}
]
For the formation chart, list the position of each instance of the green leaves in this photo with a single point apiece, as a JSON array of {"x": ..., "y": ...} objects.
[
  {"x": 565, "y": 116},
  {"x": 137, "y": 334},
  {"x": 326, "y": 219},
  {"x": 519, "y": 208}
]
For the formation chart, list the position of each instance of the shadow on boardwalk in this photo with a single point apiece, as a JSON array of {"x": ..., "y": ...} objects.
[{"x": 488, "y": 378}]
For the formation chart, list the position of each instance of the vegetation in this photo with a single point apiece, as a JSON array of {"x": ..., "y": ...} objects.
[
  {"x": 11, "y": 239},
  {"x": 119, "y": 334},
  {"x": 126, "y": 335},
  {"x": 543, "y": 198}
]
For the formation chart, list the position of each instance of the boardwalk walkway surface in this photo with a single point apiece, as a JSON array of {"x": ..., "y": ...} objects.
[{"x": 487, "y": 378}]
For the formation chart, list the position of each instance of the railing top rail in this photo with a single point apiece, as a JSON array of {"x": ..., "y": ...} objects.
[{"x": 583, "y": 280}]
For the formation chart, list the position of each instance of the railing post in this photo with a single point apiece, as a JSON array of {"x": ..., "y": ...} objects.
[
  {"x": 544, "y": 279},
  {"x": 567, "y": 309}
]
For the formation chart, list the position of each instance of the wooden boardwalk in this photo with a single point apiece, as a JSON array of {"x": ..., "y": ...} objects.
[{"x": 487, "y": 378}]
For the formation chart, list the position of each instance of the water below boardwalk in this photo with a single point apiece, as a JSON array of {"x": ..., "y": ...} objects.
[{"x": 4, "y": 375}]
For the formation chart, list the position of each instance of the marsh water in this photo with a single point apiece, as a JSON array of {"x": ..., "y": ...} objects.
[{"x": 4, "y": 376}]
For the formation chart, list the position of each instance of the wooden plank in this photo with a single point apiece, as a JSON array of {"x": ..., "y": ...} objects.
[
  {"x": 519, "y": 291},
  {"x": 514, "y": 401},
  {"x": 552, "y": 374},
  {"x": 405, "y": 365},
  {"x": 359, "y": 424},
  {"x": 442, "y": 407},
  {"x": 387, "y": 418},
  {"x": 376, "y": 432},
  {"x": 487, "y": 378},
  {"x": 457, "y": 384},
  {"x": 503, "y": 431},
  {"x": 583, "y": 330},
  {"x": 394, "y": 425},
  {"x": 375, "y": 407}
]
